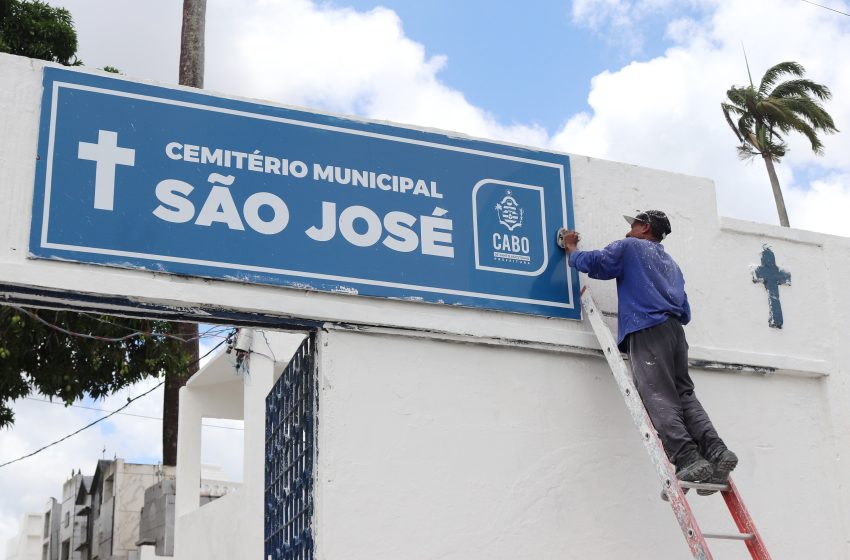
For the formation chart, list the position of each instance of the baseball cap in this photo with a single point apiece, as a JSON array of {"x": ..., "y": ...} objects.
[{"x": 655, "y": 218}]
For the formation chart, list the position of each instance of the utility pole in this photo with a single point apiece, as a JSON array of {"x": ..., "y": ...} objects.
[
  {"x": 192, "y": 43},
  {"x": 191, "y": 74}
]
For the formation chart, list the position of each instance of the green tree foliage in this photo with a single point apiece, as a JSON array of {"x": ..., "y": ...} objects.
[
  {"x": 36, "y": 30},
  {"x": 111, "y": 354},
  {"x": 762, "y": 117}
]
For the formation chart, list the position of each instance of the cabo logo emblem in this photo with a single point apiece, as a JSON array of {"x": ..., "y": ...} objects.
[
  {"x": 509, "y": 226},
  {"x": 509, "y": 212},
  {"x": 510, "y": 247}
]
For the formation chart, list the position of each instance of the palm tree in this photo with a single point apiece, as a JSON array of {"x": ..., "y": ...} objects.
[{"x": 760, "y": 118}]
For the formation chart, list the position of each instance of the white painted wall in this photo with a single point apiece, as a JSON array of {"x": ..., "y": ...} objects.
[
  {"x": 148, "y": 552},
  {"x": 26, "y": 545},
  {"x": 430, "y": 449},
  {"x": 462, "y": 433},
  {"x": 230, "y": 526}
]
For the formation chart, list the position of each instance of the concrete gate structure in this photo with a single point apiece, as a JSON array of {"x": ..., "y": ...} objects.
[{"x": 453, "y": 432}]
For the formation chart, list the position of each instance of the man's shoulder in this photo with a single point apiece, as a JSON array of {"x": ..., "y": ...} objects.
[
  {"x": 628, "y": 244},
  {"x": 642, "y": 250},
  {"x": 620, "y": 243}
]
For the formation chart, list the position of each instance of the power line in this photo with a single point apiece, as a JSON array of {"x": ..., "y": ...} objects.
[
  {"x": 89, "y": 336},
  {"x": 90, "y": 424},
  {"x": 133, "y": 334},
  {"x": 123, "y": 413},
  {"x": 214, "y": 331},
  {"x": 827, "y": 8}
]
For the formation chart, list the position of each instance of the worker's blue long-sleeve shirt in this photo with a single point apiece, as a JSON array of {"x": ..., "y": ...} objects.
[{"x": 650, "y": 285}]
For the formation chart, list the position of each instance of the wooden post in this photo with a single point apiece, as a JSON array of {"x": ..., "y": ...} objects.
[{"x": 192, "y": 43}]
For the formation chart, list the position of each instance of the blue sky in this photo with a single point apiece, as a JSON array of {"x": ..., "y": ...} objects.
[
  {"x": 543, "y": 82},
  {"x": 522, "y": 61},
  {"x": 636, "y": 81}
]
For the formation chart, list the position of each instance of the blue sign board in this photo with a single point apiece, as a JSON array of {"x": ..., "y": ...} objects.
[{"x": 145, "y": 177}]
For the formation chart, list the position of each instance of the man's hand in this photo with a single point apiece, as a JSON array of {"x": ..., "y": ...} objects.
[{"x": 571, "y": 239}]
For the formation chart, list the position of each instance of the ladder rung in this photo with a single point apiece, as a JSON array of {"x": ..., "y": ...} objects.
[
  {"x": 704, "y": 486},
  {"x": 730, "y": 536}
]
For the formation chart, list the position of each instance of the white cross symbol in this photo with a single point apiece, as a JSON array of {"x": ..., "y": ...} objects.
[{"x": 107, "y": 155}]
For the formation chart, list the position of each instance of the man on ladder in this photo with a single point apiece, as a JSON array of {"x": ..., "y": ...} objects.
[{"x": 652, "y": 307}]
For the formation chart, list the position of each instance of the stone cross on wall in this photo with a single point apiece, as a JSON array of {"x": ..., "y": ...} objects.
[{"x": 772, "y": 277}]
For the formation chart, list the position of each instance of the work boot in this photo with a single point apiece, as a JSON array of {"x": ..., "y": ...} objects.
[
  {"x": 722, "y": 464},
  {"x": 696, "y": 470}
]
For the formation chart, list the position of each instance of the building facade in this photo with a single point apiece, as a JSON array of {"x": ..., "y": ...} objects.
[
  {"x": 124, "y": 511},
  {"x": 117, "y": 497},
  {"x": 52, "y": 523},
  {"x": 73, "y": 527},
  {"x": 27, "y": 544}
]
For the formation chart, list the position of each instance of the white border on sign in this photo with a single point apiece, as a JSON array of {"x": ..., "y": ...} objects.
[
  {"x": 539, "y": 190},
  {"x": 147, "y": 256}
]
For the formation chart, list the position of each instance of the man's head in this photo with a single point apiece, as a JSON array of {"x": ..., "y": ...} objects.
[{"x": 651, "y": 224}]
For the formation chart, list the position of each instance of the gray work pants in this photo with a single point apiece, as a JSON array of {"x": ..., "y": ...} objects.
[{"x": 659, "y": 359}]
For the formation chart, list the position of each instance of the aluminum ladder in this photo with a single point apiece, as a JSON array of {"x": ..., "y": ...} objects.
[{"x": 672, "y": 488}]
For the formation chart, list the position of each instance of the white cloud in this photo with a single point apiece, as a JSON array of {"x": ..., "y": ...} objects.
[
  {"x": 338, "y": 59},
  {"x": 825, "y": 207},
  {"x": 665, "y": 112},
  {"x": 595, "y": 13},
  {"x": 620, "y": 21},
  {"x": 140, "y": 38}
]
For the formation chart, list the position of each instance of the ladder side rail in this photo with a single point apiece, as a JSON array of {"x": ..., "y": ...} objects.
[
  {"x": 744, "y": 522},
  {"x": 652, "y": 443}
]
